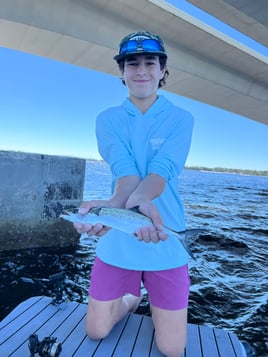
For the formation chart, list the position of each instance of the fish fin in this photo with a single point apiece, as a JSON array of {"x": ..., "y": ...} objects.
[
  {"x": 174, "y": 231},
  {"x": 195, "y": 232},
  {"x": 95, "y": 210},
  {"x": 70, "y": 211},
  {"x": 135, "y": 209}
]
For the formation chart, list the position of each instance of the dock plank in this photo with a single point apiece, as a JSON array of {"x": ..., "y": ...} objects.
[
  {"x": 224, "y": 343},
  {"x": 21, "y": 315},
  {"x": 109, "y": 344},
  {"x": 26, "y": 328},
  {"x": 237, "y": 346},
  {"x": 102, "y": 346},
  {"x": 73, "y": 342},
  {"x": 193, "y": 342},
  {"x": 60, "y": 325},
  {"x": 128, "y": 337},
  {"x": 145, "y": 337},
  {"x": 208, "y": 342},
  {"x": 27, "y": 304},
  {"x": 133, "y": 336}
]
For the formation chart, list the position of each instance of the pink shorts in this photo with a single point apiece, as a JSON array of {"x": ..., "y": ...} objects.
[{"x": 167, "y": 289}]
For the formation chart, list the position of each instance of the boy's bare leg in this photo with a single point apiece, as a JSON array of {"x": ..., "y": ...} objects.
[
  {"x": 170, "y": 330},
  {"x": 103, "y": 315}
]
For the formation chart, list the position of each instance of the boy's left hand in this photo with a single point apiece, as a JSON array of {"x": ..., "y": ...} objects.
[{"x": 151, "y": 234}]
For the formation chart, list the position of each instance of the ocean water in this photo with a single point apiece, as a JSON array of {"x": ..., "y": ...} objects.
[{"x": 229, "y": 278}]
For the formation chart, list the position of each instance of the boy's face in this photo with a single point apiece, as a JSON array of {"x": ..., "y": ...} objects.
[{"x": 142, "y": 74}]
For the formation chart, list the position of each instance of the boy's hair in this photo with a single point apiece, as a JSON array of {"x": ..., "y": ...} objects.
[{"x": 163, "y": 65}]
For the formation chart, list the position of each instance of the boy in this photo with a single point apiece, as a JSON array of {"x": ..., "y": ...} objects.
[{"x": 145, "y": 141}]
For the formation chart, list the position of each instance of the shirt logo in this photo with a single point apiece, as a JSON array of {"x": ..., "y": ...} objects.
[{"x": 156, "y": 143}]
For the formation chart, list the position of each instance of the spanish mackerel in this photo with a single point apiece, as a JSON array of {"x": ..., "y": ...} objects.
[{"x": 127, "y": 221}]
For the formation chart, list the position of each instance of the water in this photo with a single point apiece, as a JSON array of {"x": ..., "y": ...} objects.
[{"x": 229, "y": 277}]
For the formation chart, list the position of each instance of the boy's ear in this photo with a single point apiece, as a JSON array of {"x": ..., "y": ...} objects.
[{"x": 163, "y": 73}]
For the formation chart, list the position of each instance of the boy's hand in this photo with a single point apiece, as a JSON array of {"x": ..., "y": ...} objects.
[
  {"x": 98, "y": 229},
  {"x": 151, "y": 234}
]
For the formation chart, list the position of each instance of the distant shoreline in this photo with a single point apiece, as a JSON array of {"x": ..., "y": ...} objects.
[
  {"x": 218, "y": 169},
  {"x": 229, "y": 171},
  {"x": 197, "y": 168}
]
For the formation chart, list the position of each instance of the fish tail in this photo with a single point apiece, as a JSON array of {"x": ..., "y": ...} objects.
[
  {"x": 186, "y": 247},
  {"x": 184, "y": 240}
]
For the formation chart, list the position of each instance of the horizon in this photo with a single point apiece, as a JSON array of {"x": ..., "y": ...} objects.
[{"x": 193, "y": 167}]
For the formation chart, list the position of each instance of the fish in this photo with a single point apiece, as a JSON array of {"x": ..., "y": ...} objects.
[{"x": 127, "y": 221}]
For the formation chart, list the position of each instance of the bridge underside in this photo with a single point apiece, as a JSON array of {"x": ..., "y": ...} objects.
[{"x": 205, "y": 65}]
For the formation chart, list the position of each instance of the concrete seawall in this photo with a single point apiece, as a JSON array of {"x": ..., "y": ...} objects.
[{"x": 34, "y": 189}]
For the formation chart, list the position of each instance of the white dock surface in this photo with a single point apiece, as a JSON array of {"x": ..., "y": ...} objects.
[{"x": 131, "y": 337}]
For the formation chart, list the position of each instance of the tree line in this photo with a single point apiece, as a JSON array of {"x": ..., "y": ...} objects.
[{"x": 228, "y": 170}]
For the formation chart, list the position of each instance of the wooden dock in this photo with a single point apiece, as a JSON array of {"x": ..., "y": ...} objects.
[{"x": 132, "y": 337}]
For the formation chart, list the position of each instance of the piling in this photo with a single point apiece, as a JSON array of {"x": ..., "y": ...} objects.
[{"x": 34, "y": 190}]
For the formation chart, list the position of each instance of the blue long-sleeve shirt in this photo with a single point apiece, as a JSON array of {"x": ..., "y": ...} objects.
[{"x": 156, "y": 142}]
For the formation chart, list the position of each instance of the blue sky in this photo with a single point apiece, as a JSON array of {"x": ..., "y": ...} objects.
[{"x": 50, "y": 107}]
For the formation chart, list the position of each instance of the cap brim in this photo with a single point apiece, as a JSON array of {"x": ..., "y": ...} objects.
[{"x": 125, "y": 55}]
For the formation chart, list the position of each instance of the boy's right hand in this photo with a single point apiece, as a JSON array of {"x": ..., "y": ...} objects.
[{"x": 98, "y": 229}]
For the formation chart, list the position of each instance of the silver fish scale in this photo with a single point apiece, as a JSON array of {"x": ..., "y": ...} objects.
[
  {"x": 127, "y": 221},
  {"x": 123, "y": 213}
]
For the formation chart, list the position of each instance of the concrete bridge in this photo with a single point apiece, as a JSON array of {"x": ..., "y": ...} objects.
[
  {"x": 34, "y": 190},
  {"x": 205, "y": 65}
]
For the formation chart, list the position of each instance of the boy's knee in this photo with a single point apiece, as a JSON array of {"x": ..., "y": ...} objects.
[
  {"x": 170, "y": 350},
  {"x": 97, "y": 332}
]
